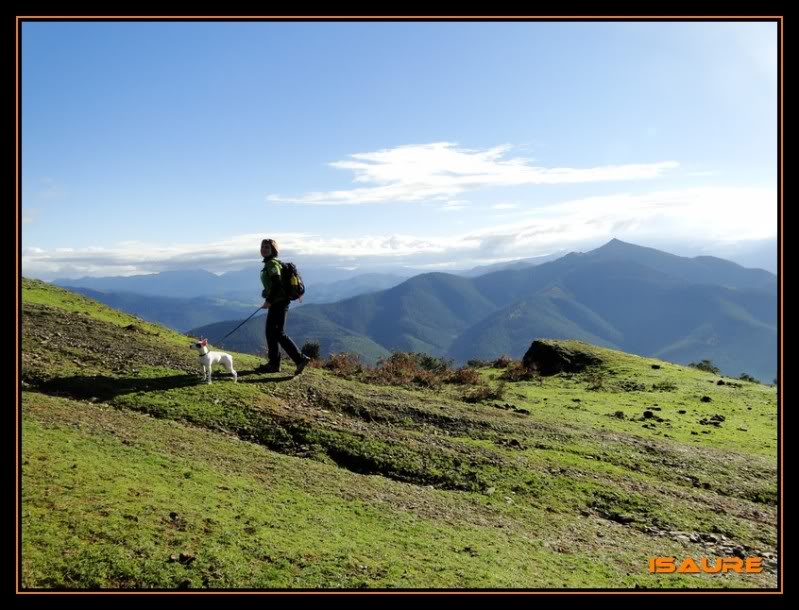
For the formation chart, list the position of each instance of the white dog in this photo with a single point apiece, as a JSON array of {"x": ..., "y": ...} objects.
[{"x": 209, "y": 359}]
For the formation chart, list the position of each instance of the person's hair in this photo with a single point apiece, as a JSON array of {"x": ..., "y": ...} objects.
[{"x": 272, "y": 244}]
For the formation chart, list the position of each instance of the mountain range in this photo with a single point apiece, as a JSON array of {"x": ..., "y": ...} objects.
[{"x": 620, "y": 295}]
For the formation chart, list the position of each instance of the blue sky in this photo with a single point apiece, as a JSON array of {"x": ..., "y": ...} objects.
[{"x": 149, "y": 146}]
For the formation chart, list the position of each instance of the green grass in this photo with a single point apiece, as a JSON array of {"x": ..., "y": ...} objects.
[
  {"x": 115, "y": 499},
  {"x": 135, "y": 475}
]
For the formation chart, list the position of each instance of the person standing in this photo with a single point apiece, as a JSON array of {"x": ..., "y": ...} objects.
[{"x": 277, "y": 304}]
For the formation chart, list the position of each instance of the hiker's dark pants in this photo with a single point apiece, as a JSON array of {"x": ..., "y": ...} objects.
[{"x": 275, "y": 335}]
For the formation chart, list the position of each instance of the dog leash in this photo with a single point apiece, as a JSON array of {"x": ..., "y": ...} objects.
[{"x": 240, "y": 325}]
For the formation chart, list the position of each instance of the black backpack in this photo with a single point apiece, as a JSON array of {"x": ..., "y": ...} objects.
[{"x": 292, "y": 282}]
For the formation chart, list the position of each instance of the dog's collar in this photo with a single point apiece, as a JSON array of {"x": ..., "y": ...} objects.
[{"x": 204, "y": 355}]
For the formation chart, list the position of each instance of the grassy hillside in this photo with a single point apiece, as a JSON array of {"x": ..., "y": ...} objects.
[{"x": 136, "y": 475}]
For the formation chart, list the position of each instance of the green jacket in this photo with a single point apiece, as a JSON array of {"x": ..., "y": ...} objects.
[{"x": 270, "y": 278}]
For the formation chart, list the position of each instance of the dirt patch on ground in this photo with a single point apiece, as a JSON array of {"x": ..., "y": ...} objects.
[{"x": 54, "y": 339}]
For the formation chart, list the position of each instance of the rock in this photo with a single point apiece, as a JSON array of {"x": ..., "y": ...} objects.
[
  {"x": 622, "y": 518},
  {"x": 186, "y": 558},
  {"x": 552, "y": 358},
  {"x": 648, "y": 414},
  {"x": 705, "y": 399},
  {"x": 656, "y": 366},
  {"x": 714, "y": 420}
]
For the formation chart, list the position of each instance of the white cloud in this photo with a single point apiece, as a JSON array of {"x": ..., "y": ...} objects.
[
  {"x": 441, "y": 171},
  {"x": 453, "y": 206},
  {"x": 435, "y": 266},
  {"x": 505, "y": 206},
  {"x": 706, "y": 215}
]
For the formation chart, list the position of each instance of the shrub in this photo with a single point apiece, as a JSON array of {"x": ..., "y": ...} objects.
[
  {"x": 344, "y": 364},
  {"x": 485, "y": 392},
  {"x": 516, "y": 371},
  {"x": 705, "y": 365},
  {"x": 404, "y": 368},
  {"x": 431, "y": 363},
  {"x": 465, "y": 376},
  {"x": 311, "y": 349},
  {"x": 502, "y": 362},
  {"x": 595, "y": 380},
  {"x": 664, "y": 386}
]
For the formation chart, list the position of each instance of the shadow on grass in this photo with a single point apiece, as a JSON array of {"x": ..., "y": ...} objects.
[
  {"x": 102, "y": 387},
  {"x": 263, "y": 376},
  {"x": 265, "y": 379}
]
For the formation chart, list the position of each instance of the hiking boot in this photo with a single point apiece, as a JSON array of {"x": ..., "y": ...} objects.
[
  {"x": 268, "y": 368},
  {"x": 301, "y": 365}
]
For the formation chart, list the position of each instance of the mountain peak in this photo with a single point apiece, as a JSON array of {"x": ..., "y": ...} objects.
[
  {"x": 617, "y": 249},
  {"x": 616, "y": 245}
]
